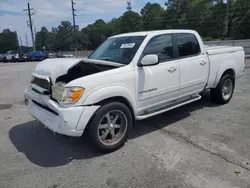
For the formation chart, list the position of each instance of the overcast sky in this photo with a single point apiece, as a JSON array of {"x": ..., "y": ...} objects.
[{"x": 49, "y": 13}]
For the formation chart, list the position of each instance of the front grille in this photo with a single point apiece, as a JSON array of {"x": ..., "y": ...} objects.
[{"x": 45, "y": 84}]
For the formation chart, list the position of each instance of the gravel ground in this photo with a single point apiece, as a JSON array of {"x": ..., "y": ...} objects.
[{"x": 198, "y": 145}]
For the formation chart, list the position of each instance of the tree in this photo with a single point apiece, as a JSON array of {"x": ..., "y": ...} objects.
[
  {"x": 130, "y": 22},
  {"x": 208, "y": 17},
  {"x": 8, "y": 41},
  {"x": 240, "y": 19},
  {"x": 152, "y": 15},
  {"x": 96, "y": 33},
  {"x": 63, "y": 37},
  {"x": 42, "y": 37}
]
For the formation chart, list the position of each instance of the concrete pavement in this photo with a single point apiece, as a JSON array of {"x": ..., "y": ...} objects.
[{"x": 198, "y": 145}]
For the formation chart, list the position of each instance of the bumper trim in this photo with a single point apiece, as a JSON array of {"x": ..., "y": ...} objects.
[
  {"x": 46, "y": 108},
  {"x": 70, "y": 121}
]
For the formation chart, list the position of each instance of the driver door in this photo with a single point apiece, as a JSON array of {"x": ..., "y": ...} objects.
[{"x": 158, "y": 85}]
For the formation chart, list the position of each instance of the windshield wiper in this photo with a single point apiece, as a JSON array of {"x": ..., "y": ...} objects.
[{"x": 107, "y": 59}]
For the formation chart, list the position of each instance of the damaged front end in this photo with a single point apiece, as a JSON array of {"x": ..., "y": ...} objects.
[
  {"x": 51, "y": 77},
  {"x": 49, "y": 98}
]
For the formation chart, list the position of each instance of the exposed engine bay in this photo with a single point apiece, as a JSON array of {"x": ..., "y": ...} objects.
[{"x": 83, "y": 69}]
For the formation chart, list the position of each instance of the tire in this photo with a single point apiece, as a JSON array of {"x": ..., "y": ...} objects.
[
  {"x": 223, "y": 93},
  {"x": 13, "y": 59},
  {"x": 105, "y": 134}
]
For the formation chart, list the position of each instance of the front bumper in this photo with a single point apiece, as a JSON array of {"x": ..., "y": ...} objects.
[{"x": 70, "y": 121}]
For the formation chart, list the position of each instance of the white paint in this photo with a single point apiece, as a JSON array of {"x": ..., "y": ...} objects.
[{"x": 145, "y": 88}]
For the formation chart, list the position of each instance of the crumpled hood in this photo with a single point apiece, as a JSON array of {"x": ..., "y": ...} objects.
[{"x": 56, "y": 67}]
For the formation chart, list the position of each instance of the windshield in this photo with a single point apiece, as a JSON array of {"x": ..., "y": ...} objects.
[{"x": 119, "y": 49}]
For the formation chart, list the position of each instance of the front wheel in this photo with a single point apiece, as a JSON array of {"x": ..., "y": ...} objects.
[
  {"x": 223, "y": 93},
  {"x": 13, "y": 60},
  {"x": 109, "y": 126}
]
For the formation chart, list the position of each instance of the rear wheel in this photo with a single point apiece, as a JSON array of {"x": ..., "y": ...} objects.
[
  {"x": 109, "y": 126},
  {"x": 223, "y": 93}
]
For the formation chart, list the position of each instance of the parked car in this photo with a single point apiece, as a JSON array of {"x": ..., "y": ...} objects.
[
  {"x": 12, "y": 56},
  {"x": 2, "y": 57},
  {"x": 34, "y": 56},
  {"x": 68, "y": 55},
  {"x": 52, "y": 55},
  {"x": 130, "y": 77},
  {"x": 62, "y": 55},
  {"x": 46, "y": 54}
]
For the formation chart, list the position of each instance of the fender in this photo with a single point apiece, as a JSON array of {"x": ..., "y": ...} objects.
[
  {"x": 109, "y": 92},
  {"x": 224, "y": 66}
]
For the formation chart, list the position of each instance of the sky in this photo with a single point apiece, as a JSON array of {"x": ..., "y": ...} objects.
[{"x": 50, "y": 13}]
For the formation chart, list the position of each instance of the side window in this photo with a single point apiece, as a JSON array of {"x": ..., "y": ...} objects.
[
  {"x": 187, "y": 44},
  {"x": 162, "y": 46}
]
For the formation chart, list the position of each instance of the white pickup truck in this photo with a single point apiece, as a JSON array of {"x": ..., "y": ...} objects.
[
  {"x": 130, "y": 77},
  {"x": 11, "y": 55}
]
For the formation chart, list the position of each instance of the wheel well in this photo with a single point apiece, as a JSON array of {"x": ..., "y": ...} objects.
[
  {"x": 229, "y": 71},
  {"x": 122, "y": 100},
  {"x": 117, "y": 99}
]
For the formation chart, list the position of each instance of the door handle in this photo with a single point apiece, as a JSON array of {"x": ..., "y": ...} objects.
[
  {"x": 203, "y": 63},
  {"x": 172, "y": 69}
]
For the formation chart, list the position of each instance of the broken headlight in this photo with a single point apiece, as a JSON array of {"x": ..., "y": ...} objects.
[
  {"x": 66, "y": 94},
  {"x": 57, "y": 91}
]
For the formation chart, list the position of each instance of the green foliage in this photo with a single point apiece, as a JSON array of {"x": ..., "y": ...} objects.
[
  {"x": 152, "y": 15},
  {"x": 8, "y": 41},
  {"x": 205, "y": 16}
]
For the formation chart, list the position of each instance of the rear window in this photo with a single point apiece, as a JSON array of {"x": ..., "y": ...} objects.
[{"x": 187, "y": 44}]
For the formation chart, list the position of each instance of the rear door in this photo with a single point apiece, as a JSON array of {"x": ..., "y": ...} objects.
[
  {"x": 158, "y": 84},
  {"x": 194, "y": 65}
]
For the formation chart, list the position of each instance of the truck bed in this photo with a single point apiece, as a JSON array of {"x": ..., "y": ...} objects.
[
  {"x": 222, "y": 56},
  {"x": 212, "y": 50}
]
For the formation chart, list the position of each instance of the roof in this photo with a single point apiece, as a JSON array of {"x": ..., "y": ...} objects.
[{"x": 154, "y": 32}]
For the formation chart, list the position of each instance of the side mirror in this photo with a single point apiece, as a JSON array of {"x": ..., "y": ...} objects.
[{"x": 149, "y": 60}]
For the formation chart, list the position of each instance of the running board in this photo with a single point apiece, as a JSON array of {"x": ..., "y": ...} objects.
[{"x": 162, "y": 110}]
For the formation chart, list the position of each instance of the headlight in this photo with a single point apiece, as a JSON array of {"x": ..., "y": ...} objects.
[
  {"x": 72, "y": 94},
  {"x": 57, "y": 91},
  {"x": 66, "y": 94}
]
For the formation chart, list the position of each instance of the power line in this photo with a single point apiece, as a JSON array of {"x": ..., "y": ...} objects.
[
  {"x": 30, "y": 25},
  {"x": 68, "y": 31}
]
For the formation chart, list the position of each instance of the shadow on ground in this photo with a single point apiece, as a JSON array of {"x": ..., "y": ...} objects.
[{"x": 44, "y": 148}]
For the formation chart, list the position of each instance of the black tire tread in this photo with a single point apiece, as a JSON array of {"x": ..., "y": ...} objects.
[
  {"x": 93, "y": 125},
  {"x": 216, "y": 93}
]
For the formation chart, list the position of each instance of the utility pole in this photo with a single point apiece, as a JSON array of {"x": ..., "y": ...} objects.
[
  {"x": 26, "y": 40},
  {"x": 30, "y": 25},
  {"x": 74, "y": 23},
  {"x": 35, "y": 34},
  {"x": 129, "y": 6},
  {"x": 21, "y": 41},
  {"x": 227, "y": 17}
]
